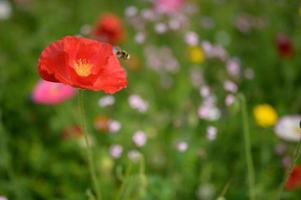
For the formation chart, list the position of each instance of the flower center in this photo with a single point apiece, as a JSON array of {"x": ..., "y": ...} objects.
[{"x": 82, "y": 67}]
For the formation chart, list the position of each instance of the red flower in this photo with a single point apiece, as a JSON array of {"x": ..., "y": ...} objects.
[
  {"x": 284, "y": 46},
  {"x": 82, "y": 63},
  {"x": 294, "y": 179},
  {"x": 109, "y": 29}
]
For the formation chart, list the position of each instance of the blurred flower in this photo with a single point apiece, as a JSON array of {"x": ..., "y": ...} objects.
[
  {"x": 196, "y": 55},
  {"x": 109, "y": 29},
  {"x": 5, "y": 9},
  {"x": 233, "y": 67},
  {"x": 230, "y": 86},
  {"x": 214, "y": 51},
  {"x": 265, "y": 115},
  {"x": 205, "y": 191},
  {"x": 148, "y": 14},
  {"x": 83, "y": 63},
  {"x": 85, "y": 29},
  {"x": 50, "y": 93},
  {"x": 182, "y": 146},
  {"x": 196, "y": 77},
  {"x": 139, "y": 138},
  {"x": 106, "y": 101},
  {"x": 287, "y": 128},
  {"x": 205, "y": 91},
  {"x": 207, "y": 23},
  {"x": 191, "y": 38},
  {"x": 3, "y": 198},
  {"x": 116, "y": 151},
  {"x": 284, "y": 46},
  {"x": 114, "y": 126},
  {"x": 243, "y": 23},
  {"x": 160, "y": 28},
  {"x": 134, "y": 155},
  {"x": 294, "y": 180},
  {"x": 161, "y": 59},
  {"x": 249, "y": 73},
  {"x": 174, "y": 24},
  {"x": 140, "y": 37},
  {"x": 131, "y": 11},
  {"x": 208, "y": 110},
  {"x": 286, "y": 161},
  {"x": 22, "y": 2},
  {"x": 72, "y": 132},
  {"x": 280, "y": 149},
  {"x": 229, "y": 100},
  {"x": 101, "y": 123},
  {"x": 211, "y": 133},
  {"x": 168, "y": 6},
  {"x": 137, "y": 103}
]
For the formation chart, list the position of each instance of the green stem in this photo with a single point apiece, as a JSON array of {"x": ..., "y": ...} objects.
[
  {"x": 290, "y": 169},
  {"x": 125, "y": 180},
  {"x": 88, "y": 145},
  {"x": 225, "y": 189},
  {"x": 248, "y": 152}
]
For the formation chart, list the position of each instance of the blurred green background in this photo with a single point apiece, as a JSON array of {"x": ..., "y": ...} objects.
[{"x": 36, "y": 162}]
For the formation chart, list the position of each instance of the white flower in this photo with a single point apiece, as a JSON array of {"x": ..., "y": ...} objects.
[
  {"x": 230, "y": 86},
  {"x": 208, "y": 110},
  {"x": 131, "y": 11},
  {"x": 140, "y": 37},
  {"x": 116, "y": 151},
  {"x": 229, "y": 100},
  {"x": 211, "y": 133},
  {"x": 106, "y": 101},
  {"x": 182, "y": 146},
  {"x": 139, "y": 138},
  {"x": 137, "y": 103},
  {"x": 114, "y": 126},
  {"x": 5, "y": 9},
  {"x": 233, "y": 67},
  {"x": 134, "y": 155},
  {"x": 191, "y": 38},
  {"x": 160, "y": 28},
  {"x": 3, "y": 198},
  {"x": 287, "y": 128}
]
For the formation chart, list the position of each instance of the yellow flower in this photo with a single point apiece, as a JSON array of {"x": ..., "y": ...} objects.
[
  {"x": 265, "y": 115},
  {"x": 196, "y": 55}
]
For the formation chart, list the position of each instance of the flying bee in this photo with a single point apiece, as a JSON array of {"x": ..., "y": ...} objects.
[{"x": 121, "y": 54}]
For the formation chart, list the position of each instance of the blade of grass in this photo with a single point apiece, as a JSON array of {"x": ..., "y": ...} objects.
[{"x": 247, "y": 144}]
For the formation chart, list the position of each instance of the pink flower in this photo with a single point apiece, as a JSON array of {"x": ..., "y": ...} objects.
[
  {"x": 51, "y": 93},
  {"x": 168, "y": 6}
]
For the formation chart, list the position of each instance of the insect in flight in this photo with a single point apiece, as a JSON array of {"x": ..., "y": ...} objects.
[{"x": 122, "y": 54}]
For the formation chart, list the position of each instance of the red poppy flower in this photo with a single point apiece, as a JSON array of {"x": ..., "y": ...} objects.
[
  {"x": 109, "y": 29},
  {"x": 294, "y": 179},
  {"x": 284, "y": 46},
  {"x": 82, "y": 63}
]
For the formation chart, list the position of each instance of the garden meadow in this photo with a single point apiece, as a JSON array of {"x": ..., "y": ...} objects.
[{"x": 150, "y": 99}]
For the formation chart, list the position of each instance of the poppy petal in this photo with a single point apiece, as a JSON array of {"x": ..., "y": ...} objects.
[{"x": 112, "y": 77}]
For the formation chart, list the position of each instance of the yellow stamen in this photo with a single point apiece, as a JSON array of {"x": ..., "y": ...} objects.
[{"x": 82, "y": 67}]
